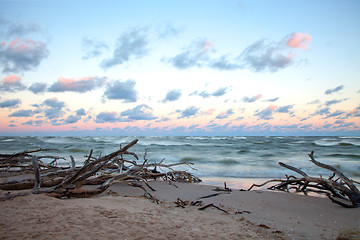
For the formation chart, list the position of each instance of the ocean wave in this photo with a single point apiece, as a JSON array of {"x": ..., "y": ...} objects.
[
  {"x": 8, "y": 140},
  {"x": 336, "y": 142},
  {"x": 192, "y": 159},
  {"x": 228, "y": 162},
  {"x": 267, "y": 155},
  {"x": 162, "y": 143},
  {"x": 58, "y": 140},
  {"x": 77, "y": 150},
  {"x": 341, "y": 155},
  {"x": 346, "y": 137},
  {"x": 243, "y": 151}
]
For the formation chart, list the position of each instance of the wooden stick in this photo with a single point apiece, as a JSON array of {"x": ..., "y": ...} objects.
[
  {"x": 37, "y": 173},
  {"x": 72, "y": 162},
  {"x": 212, "y": 205}
]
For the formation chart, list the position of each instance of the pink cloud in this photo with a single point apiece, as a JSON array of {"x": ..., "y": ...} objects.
[
  {"x": 22, "y": 55},
  {"x": 20, "y": 45},
  {"x": 76, "y": 85},
  {"x": 252, "y": 99},
  {"x": 299, "y": 40},
  {"x": 11, "y": 83},
  {"x": 272, "y": 107},
  {"x": 11, "y": 80}
]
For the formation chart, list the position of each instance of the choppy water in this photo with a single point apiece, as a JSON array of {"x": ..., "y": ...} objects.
[{"x": 223, "y": 157}]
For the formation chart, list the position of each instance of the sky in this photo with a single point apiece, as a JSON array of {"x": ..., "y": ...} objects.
[{"x": 205, "y": 67}]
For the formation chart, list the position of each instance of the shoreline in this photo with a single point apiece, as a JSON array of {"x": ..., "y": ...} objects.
[
  {"x": 231, "y": 182},
  {"x": 250, "y": 215}
]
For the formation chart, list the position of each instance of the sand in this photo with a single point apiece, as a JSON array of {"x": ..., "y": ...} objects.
[{"x": 123, "y": 213}]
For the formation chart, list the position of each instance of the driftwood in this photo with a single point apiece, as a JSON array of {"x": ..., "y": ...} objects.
[
  {"x": 341, "y": 191},
  {"x": 225, "y": 189},
  {"x": 94, "y": 177},
  {"x": 212, "y": 205}
]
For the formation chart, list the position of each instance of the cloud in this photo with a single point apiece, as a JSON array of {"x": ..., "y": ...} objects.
[
  {"x": 218, "y": 93},
  {"x": 189, "y": 112},
  {"x": 13, "y": 103},
  {"x": 172, "y": 95},
  {"x": 194, "y": 55},
  {"x": 22, "y": 55},
  {"x": 272, "y": 99},
  {"x": 140, "y": 112},
  {"x": 130, "y": 45},
  {"x": 322, "y": 111},
  {"x": 202, "y": 94},
  {"x": 54, "y": 103},
  {"x": 335, "y": 114},
  {"x": 33, "y": 123},
  {"x": 163, "y": 119},
  {"x": 53, "y": 113},
  {"x": 299, "y": 40},
  {"x": 225, "y": 63},
  {"x": 354, "y": 113},
  {"x": 93, "y": 48},
  {"x": 12, "y": 83},
  {"x": 267, "y": 113},
  {"x": 72, "y": 119},
  {"x": 261, "y": 56},
  {"x": 252, "y": 99},
  {"x": 285, "y": 109},
  {"x": 168, "y": 30},
  {"x": 317, "y": 101},
  {"x": 111, "y": 117},
  {"x": 226, "y": 114},
  {"x": 38, "y": 87},
  {"x": 22, "y": 113},
  {"x": 340, "y": 121},
  {"x": 80, "y": 112},
  {"x": 14, "y": 29},
  {"x": 334, "y": 90},
  {"x": 77, "y": 85},
  {"x": 121, "y": 91},
  {"x": 335, "y": 101},
  {"x": 264, "y": 56}
]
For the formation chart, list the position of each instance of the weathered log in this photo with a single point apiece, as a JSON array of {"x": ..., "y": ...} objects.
[
  {"x": 347, "y": 181},
  {"x": 24, "y": 153},
  {"x": 344, "y": 190},
  {"x": 10, "y": 195}
]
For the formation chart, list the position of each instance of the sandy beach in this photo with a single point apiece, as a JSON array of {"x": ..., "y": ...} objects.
[{"x": 122, "y": 212}]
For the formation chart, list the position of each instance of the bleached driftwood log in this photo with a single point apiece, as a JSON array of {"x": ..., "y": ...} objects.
[
  {"x": 341, "y": 191},
  {"x": 102, "y": 172},
  {"x": 17, "y": 170}
]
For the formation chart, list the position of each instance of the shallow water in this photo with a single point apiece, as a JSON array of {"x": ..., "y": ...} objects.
[{"x": 213, "y": 157}]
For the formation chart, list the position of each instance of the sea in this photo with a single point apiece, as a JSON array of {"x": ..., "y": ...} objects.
[{"x": 238, "y": 161}]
